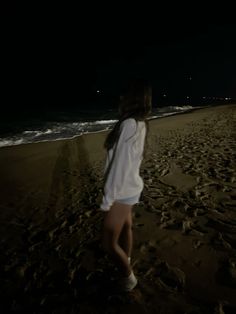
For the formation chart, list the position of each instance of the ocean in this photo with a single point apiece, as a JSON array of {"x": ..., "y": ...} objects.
[{"x": 66, "y": 125}]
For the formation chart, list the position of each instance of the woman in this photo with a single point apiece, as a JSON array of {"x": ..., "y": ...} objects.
[{"x": 123, "y": 184}]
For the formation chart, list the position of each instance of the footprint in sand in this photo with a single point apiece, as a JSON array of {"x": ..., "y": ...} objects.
[
  {"x": 179, "y": 180},
  {"x": 166, "y": 277}
]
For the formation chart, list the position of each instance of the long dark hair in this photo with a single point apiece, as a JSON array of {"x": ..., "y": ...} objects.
[{"x": 134, "y": 103}]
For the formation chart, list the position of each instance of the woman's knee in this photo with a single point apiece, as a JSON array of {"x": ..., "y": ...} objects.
[
  {"x": 114, "y": 222},
  {"x": 128, "y": 222}
]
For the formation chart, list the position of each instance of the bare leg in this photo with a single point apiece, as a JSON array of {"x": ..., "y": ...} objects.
[
  {"x": 114, "y": 221},
  {"x": 126, "y": 235}
]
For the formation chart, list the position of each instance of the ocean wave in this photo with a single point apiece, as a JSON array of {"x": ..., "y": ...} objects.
[
  {"x": 174, "y": 108},
  {"x": 67, "y": 130},
  {"x": 10, "y": 142}
]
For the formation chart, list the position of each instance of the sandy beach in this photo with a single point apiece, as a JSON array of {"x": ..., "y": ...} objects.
[{"x": 184, "y": 227}]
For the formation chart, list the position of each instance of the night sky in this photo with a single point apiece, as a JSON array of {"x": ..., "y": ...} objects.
[{"x": 68, "y": 68}]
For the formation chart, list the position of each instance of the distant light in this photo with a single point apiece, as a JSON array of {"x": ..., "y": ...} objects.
[
  {"x": 164, "y": 95},
  {"x": 98, "y": 91},
  {"x": 187, "y": 97},
  {"x": 190, "y": 78},
  {"x": 204, "y": 97}
]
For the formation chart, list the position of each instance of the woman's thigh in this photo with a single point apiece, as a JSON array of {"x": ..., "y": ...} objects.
[{"x": 115, "y": 219}]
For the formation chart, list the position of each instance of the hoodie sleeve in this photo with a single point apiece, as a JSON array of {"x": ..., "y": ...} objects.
[{"x": 121, "y": 164}]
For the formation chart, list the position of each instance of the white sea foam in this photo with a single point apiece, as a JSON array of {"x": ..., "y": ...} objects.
[
  {"x": 10, "y": 142},
  {"x": 67, "y": 130},
  {"x": 174, "y": 108}
]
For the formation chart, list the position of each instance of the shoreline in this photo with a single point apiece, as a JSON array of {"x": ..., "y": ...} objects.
[{"x": 75, "y": 136}]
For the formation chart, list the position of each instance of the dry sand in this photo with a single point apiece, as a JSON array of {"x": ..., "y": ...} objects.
[{"x": 184, "y": 227}]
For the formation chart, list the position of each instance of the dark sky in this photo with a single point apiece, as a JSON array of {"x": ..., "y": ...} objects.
[
  {"x": 205, "y": 53},
  {"x": 62, "y": 66},
  {"x": 207, "y": 57}
]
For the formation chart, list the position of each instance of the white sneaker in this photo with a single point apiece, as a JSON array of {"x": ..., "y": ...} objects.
[{"x": 128, "y": 283}]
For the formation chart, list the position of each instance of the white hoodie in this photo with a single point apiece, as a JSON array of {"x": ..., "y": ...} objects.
[{"x": 123, "y": 180}]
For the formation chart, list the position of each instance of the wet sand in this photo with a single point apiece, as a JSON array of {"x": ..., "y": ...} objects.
[{"x": 184, "y": 226}]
